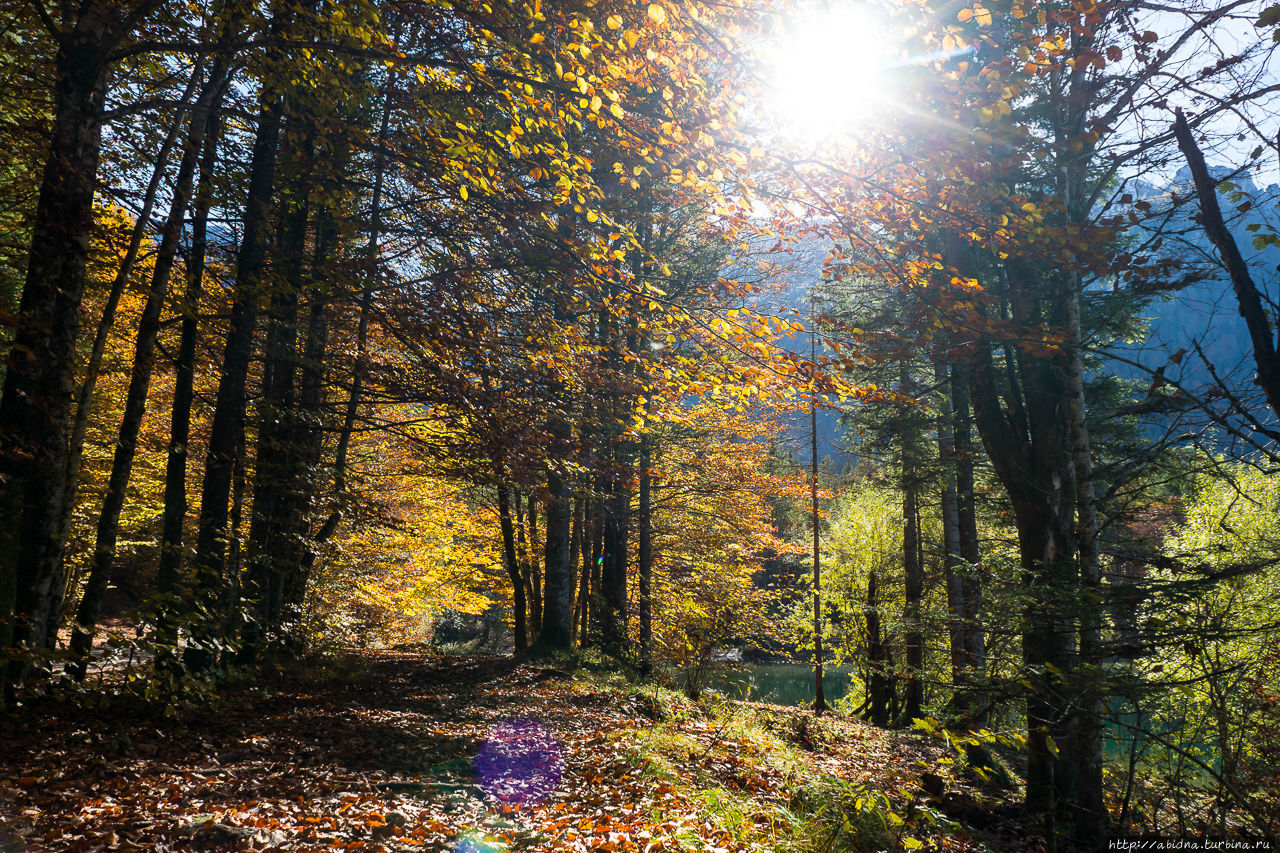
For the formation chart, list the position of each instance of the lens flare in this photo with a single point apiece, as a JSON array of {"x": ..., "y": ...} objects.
[
  {"x": 520, "y": 762},
  {"x": 473, "y": 842}
]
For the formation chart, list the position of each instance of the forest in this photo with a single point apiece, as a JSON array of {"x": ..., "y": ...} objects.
[{"x": 436, "y": 424}]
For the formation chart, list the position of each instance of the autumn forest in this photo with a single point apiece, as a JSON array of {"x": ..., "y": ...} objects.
[{"x": 639, "y": 425}]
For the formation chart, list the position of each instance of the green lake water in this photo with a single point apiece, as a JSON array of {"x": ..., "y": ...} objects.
[{"x": 779, "y": 683}]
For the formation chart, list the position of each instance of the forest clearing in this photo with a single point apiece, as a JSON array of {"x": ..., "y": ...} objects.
[{"x": 487, "y": 425}]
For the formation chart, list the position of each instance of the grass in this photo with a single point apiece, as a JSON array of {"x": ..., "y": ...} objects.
[{"x": 750, "y": 771}]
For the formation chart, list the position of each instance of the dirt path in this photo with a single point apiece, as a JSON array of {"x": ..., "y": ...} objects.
[{"x": 409, "y": 753}]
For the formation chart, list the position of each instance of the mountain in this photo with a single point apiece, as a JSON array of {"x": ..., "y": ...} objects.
[{"x": 1204, "y": 312}]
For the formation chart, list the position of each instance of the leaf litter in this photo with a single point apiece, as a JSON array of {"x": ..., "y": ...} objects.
[{"x": 394, "y": 759}]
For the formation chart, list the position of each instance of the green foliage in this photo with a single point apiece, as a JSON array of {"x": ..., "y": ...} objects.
[{"x": 1202, "y": 734}]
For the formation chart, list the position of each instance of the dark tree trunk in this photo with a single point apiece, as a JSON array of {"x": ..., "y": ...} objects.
[
  {"x": 960, "y": 541},
  {"x": 557, "y": 612},
  {"x": 575, "y": 557},
  {"x": 878, "y": 687},
  {"x": 68, "y": 581},
  {"x": 227, "y": 428},
  {"x": 512, "y": 562},
  {"x": 228, "y": 614},
  {"x": 140, "y": 379},
  {"x": 913, "y": 569},
  {"x": 276, "y": 466},
  {"x": 644, "y": 553},
  {"x": 307, "y": 444},
  {"x": 975, "y": 639},
  {"x": 526, "y": 549},
  {"x": 951, "y": 559},
  {"x": 589, "y": 591},
  {"x": 1032, "y": 457},
  {"x": 613, "y": 569},
  {"x": 39, "y": 381},
  {"x": 1248, "y": 299},
  {"x": 534, "y": 574},
  {"x": 175, "y": 479},
  {"x": 820, "y": 698}
]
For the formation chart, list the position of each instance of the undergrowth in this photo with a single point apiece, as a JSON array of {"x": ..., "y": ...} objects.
[{"x": 750, "y": 771}]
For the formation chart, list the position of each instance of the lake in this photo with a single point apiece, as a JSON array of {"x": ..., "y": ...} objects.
[{"x": 779, "y": 683}]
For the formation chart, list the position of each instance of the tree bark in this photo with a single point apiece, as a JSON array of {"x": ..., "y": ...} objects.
[
  {"x": 227, "y": 426},
  {"x": 819, "y": 694},
  {"x": 175, "y": 480},
  {"x": 270, "y": 554},
  {"x": 557, "y": 612},
  {"x": 613, "y": 569},
  {"x": 39, "y": 382},
  {"x": 306, "y": 427},
  {"x": 140, "y": 378},
  {"x": 878, "y": 685},
  {"x": 1248, "y": 299},
  {"x": 913, "y": 569},
  {"x": 512, "y": 561},
  {"x": 644, "y": 553},
  {"x": 1033, "y": 461},
  {"x": 66, "y": 581},
  {"x": 951, "y": 559},
  {"x": 975, "y": 639}
]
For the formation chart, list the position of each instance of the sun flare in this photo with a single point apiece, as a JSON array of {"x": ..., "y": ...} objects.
[{"x": 829, "y": 72}]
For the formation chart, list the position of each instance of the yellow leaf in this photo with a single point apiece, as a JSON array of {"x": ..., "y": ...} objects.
[
  {"x": 616, "y": 110},
  {"x": 462, "y": 191},
  {"x": 537, "y": 38},
  {"x": 657, "y": 14},
  {"x": 615, "y": 21}
]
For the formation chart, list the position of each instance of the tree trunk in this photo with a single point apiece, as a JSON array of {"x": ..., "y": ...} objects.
[
  {"x": 819, "y": 694},
  {"x": 175, "y": 479},
  {"x": 613, "y": 569},
  {"x": 951, "y": 559},
  {"x": 590, "y": 582},
  {"x": 576, "y": 544},
  {"x": 1033, "y": 460},
  {"x": 534, "y": 575},
  {"x": 557, "y": 612},
  {"x": 878, "y": 685},
  {"x": 40, "y": 381},
  {"x": 84, "y": 394},
  {"x": 975, "y": 639},
  {"x": 276, "y": 467},
  {"x": 913, "y": 570},
  {"x": 227, "y": 427},
  {"x": 1090, "y": 807},
  {"x": 512, "y": 561},
  {"x": 307, "y": 432},
  {"x": 644, "y": 553},
  {"x": 1248, "y": 299},
  {"x": 140, "y": 379},
  {"x": 526, "y": 551}
]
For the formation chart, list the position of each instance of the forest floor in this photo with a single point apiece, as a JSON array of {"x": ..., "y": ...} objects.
[{"x": 392, "y": 751}]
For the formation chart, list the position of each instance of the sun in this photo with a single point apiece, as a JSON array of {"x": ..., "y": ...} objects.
[{"x": 830, "y": 71}]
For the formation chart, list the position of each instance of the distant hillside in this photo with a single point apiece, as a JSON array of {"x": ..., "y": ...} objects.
[{"x": 1204, "y": 312}]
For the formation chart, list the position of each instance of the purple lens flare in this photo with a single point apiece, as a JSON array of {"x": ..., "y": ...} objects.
[{"x": 520, "y": 762}]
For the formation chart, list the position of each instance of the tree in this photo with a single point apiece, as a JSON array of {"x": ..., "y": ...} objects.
[{"x": 38, "y": 380}]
